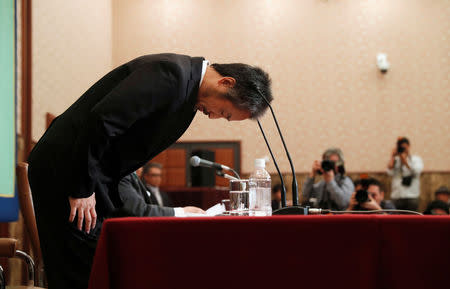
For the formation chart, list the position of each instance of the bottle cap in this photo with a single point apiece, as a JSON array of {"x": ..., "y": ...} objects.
[{"x": 260, "y": 163}]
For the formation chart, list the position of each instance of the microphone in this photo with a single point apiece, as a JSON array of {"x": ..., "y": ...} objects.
[
  {"x": 196, "y": 161},
  {"x": 300, "y": 210}
]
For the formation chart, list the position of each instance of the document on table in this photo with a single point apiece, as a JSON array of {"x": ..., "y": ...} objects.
[{"x": 215, "y": 210}]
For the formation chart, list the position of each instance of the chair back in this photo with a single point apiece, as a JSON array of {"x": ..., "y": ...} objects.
[
  {"x": 27, "y": 209},
  {"x": 7, "y": 247},
  {"x": 8, "y": 250}
]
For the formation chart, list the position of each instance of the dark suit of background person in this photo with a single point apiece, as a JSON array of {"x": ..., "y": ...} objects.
[
  {"x": 166, "y": 202},
  {"x": 114, "y": 128},
  {"x": 151, "y": 176},
  {"x": 136, "y": 202}
]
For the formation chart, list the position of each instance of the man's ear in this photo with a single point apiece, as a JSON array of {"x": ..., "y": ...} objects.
[{"x": 227, "y": 81}]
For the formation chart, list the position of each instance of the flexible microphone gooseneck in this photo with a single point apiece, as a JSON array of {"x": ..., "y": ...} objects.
[
  {"x": 283, "y": 188},
  {"x": 294, "y": 178},
  {"x": 196, "y": 161},
  {"x": 220, "y": 173}
]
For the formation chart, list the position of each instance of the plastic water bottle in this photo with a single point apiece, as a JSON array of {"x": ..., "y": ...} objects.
[{"x": 260, "y": 190}]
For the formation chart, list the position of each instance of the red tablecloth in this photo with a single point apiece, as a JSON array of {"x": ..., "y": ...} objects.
[{"x": 274, "y": 252}]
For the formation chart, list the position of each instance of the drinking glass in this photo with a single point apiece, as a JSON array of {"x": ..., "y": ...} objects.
[{"x": 239, "y": 191}]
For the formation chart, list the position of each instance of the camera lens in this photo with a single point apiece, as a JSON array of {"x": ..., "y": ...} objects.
[
  {"x": 328, "y": 165},
  {"x": 362, "y": 196}
]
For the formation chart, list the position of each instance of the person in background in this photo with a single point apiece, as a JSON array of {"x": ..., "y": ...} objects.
[
  {"x": 375, "y": 196},
  {"x": 405, "y": 170},
  {"x": 437, "y": 207},
  {"x": 136, "y": 201},
  {"x": 335, "y": 190},
  {"x": 276, "y": 197},
  {"x": 442, "y": 194},
  {"x": 152, "y": 178},
  {"x": 359, "y": 184}
]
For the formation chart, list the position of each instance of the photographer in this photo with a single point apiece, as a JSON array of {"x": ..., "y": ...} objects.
[
  {"x": 405, "y": 170},
  {"x": 369, "y": 197},
  {"x": 334, "y": 191}
]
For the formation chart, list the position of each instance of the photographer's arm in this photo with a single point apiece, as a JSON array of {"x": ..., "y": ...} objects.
[
  {"x": 416, "y": 165},
  {"x": 341, "y": 194},
  {"x": 391, "y": 162},
  {"x": 371, "y": 204},
  {"x": 308, "y": 186},
  {"x": 353, "y": 202}
]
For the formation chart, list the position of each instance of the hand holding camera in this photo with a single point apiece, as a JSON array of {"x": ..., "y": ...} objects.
[
  {"x": 365, "y": 200},
  {"x": 324, "y": 167},
  {"x": 316, "y": 168},
  {"x": 361, "y": 199}
]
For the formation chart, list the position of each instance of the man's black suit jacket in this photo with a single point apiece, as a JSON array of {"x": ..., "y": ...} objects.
[
  {"x": 125, "y": 119},
  {"x": 136, "y": 202}
]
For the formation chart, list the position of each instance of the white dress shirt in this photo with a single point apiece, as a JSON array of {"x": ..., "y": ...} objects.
[{"x": 204, "y": 65}]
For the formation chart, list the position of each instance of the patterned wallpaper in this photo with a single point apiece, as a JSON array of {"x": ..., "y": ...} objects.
[
  {"x": 72, "y": 49},
  {"x": 320, "y": 54}
]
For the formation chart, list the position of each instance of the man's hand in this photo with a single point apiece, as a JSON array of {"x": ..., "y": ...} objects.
[
  {"x": 404, "y": 158},
  {"x": 371, "y": 204},
  {"x": 394, "y": 152},
  {"x": 353, "y": 202},
  {"x": 85, "y": 209},
  {"x": 194, "y": 210},
  {"x": 328, "y": 176},
  {"x": 315, "y": 167}
]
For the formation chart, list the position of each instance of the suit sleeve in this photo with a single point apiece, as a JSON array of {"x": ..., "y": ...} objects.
[
  {"x": 135, "y": 205},
  {"x": 146, "y": 90}
]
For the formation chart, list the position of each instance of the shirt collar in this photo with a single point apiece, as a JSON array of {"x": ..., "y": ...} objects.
[{"x": 204, "y": 65}]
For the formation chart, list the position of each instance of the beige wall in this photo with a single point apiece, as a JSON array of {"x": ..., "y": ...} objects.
[
  {"x": 320, "y": 55},
  {"x": 72, "y": 48}
]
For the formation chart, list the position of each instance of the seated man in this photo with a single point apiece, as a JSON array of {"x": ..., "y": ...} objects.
[
  {"x": 370, "y": 196},
  {"x": 137, "y": 202},
  {"x": 152, "y": 178},
  {"x": 335, "y": 190}
]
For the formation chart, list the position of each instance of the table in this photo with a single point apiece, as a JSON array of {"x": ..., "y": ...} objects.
[{"x": 351, "y": 251}]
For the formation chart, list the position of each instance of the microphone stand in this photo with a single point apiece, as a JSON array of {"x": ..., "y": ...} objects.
[
  {"x": 283, "y": 188},
  {"x": 220, "y": 173},
  {"x": 295, "y": 209}
]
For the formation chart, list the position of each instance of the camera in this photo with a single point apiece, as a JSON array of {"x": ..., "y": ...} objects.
[
  {"x": 327, "y": 166},
  {"x": 400, "y": 149},
  {"x": 362, "y": 196}
]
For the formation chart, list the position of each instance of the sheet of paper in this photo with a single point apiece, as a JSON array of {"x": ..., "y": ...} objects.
[{"x": 215, "y": 210}]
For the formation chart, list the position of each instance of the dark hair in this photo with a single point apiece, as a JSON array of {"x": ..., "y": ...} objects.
[
  {"x": 252, "y": 86},
  {"x": 357, "y": 182},
  {"x": 442, "y": 191},
  {"x": 402, "y": 140},
  {"x": 276, "y": 188},
  {"x": 148, "y": 166},
  {"x": 436, "y": 204},
  {"x": 375, "y": 182}
]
